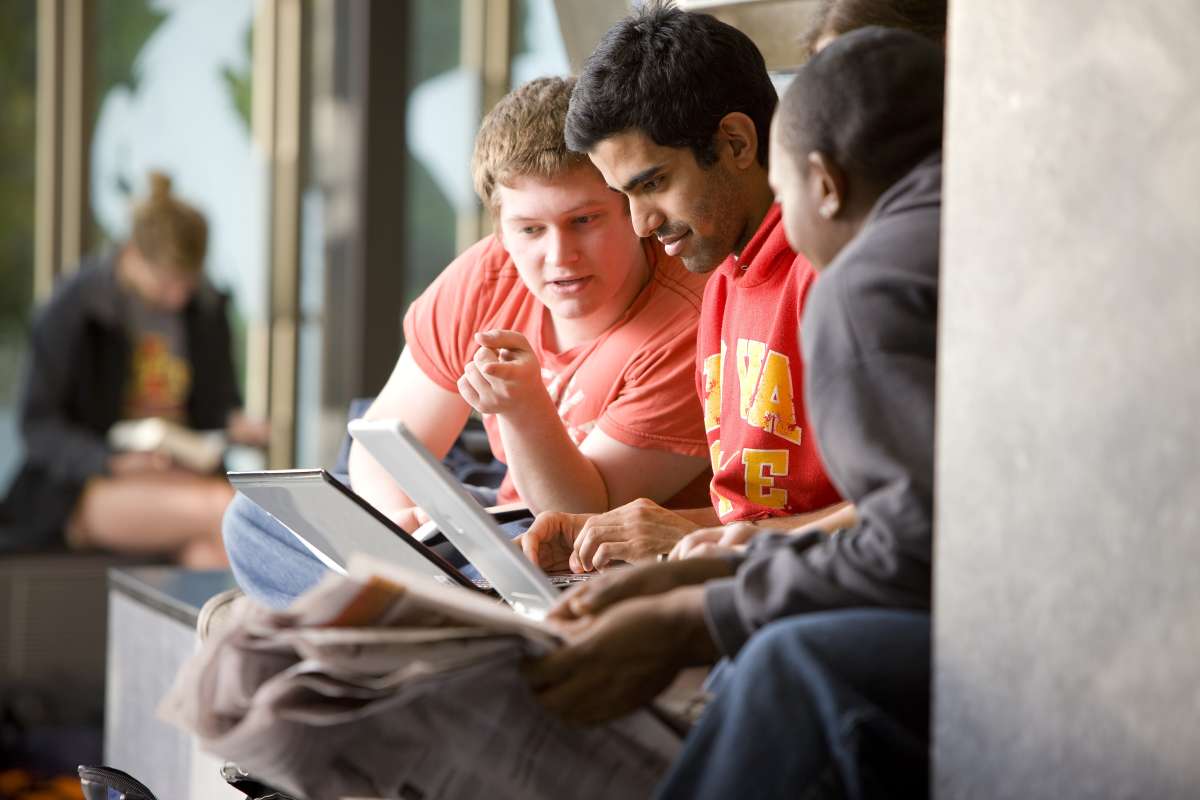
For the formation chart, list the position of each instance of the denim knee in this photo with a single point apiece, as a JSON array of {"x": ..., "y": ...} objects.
[
  {"x": 238, "y": 520},
  {"x": 268, "y": 562}
]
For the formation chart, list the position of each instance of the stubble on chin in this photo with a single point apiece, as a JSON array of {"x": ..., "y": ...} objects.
[
  {"x": 721, "y": 206},
  {"x": 702, "y": 262}
]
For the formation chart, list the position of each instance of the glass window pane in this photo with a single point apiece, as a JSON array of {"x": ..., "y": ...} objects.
[
  {"x": 173, "y": 94},
  {"x": 18, "y": 103},
  {"x": 538, "y": 49},
  {"x": 442, "y": 117}
]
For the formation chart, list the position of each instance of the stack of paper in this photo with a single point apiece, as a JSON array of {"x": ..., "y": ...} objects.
[{"x": 389, "y": 685}]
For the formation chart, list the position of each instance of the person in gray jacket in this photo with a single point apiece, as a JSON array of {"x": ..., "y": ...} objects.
[{"x": 829, "y": 634}]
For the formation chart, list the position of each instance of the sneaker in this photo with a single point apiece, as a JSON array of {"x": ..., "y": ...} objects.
[{"x": 107, "y": 783}]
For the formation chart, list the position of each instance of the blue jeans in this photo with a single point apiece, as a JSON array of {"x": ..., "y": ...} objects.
[
  {"x": 824, "y": 705},
  {"x": 273, "y": 567}
]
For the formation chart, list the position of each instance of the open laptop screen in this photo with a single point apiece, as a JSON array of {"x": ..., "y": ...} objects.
[
  {"x": 333, "y": 522},
  {"x": 463, "y": 521}
]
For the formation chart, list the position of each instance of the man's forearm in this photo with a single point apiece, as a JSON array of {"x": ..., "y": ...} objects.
[
  {"x": 548, "y": 469},
  {"x": 827, "y": 519},
  {"x": 375, "y": 484},
  {"x": 705, "y": 517}
]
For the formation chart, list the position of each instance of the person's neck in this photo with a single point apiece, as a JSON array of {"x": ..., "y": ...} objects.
[
  {"x": 855, "y": 216},
  {"x": 560, "y": 335},
  {"x": 759, "y": 199}
]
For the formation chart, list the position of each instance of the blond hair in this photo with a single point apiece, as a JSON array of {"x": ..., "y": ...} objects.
[
  {"x": 523, "y": 135},
  {"x": 168, "y": 231}
]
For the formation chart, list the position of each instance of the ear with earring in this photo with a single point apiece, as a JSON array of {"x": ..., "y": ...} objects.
[{"x": 828, "y": 208}]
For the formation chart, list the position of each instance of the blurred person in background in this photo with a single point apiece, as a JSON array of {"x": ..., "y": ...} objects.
[
  {"x": 136, "y": 334},
  {"x": 835, "y": 17}
]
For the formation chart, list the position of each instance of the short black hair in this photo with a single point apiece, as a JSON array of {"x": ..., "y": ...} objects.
[
  {"x": 872, "y": 101},
  {"x": 672, "y": 75}
]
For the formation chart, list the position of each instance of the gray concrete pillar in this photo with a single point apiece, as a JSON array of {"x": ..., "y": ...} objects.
[{"x": 1067, "y": 641}]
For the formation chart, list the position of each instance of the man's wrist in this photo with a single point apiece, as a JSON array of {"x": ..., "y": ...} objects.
[
  {"x": 704, "y": 517},
  {"x": 701, "y": 570},
  {"x": 725, "y": 624},
  {"x": 533, "y": 409},
  {"x": 685, "y": 611}
]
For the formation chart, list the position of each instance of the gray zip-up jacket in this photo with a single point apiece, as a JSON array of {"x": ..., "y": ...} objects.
[{"x": 869, "y": 337}]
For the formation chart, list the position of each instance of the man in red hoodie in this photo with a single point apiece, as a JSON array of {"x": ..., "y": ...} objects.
[
  {"x": 828, "y": 636},
  {"x": 674, "y": 109}
]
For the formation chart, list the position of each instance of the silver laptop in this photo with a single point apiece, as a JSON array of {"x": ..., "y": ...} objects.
[
  {"x": 333, "y": 522},
  {"x": 461, "y": 520}
]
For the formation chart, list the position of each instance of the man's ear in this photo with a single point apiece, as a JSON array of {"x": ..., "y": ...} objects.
[
  {"x": 826, "y": 185},
  {"x": 737, "y": 132}
]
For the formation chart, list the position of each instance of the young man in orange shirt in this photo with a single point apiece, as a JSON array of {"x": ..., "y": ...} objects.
[{"x": 573, "y": 337}]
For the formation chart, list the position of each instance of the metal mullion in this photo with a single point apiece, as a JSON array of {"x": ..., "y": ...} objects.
[
  {"x": 74, "y": 177},
  {"x": 61, "y": 179},
  {"x": 262, "y": 122},
  {"x": 285, "y": 230},
  {"x": 276, "y": 121},
  {"x": 497, "y": 52},
  {"x": 486, "y": 50},
  {"x": 47, "y": 194}
]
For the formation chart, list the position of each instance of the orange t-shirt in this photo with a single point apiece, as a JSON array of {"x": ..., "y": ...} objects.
[{"x": 635, "y": 381}]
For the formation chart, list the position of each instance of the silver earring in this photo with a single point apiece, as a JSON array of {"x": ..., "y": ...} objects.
[{"x": 827, "y": 210}]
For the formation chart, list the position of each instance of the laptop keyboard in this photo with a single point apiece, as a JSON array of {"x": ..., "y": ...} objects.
[
  {"x": 560, "y": 582},
  {"x": 566, "y": 581}
]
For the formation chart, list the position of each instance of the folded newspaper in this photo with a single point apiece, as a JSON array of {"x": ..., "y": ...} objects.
[{"x": 386, "y": 684}]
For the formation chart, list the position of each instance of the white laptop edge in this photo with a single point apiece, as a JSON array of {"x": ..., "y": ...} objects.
[{"x": 462, "y": 520}]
